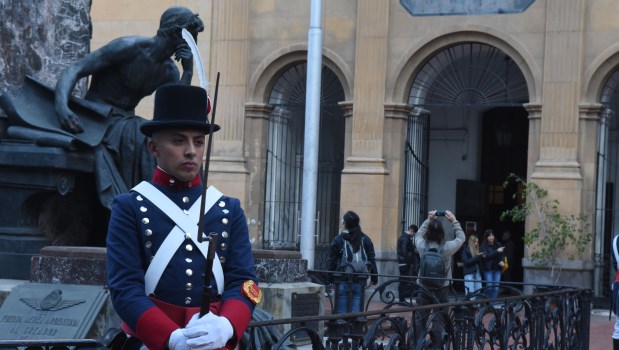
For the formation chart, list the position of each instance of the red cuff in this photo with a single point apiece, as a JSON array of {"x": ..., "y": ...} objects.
[
  {"x": 239, "y": 316},
  {"x": 154, "y": 328}
]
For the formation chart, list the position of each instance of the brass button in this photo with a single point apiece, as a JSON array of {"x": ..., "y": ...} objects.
[
  {"x": 139, "y": 198},
  {"x": 224, "y": 221},
  {"x": 145, "y": 221},
  {"x": 149, "y": 244},
  {"x": 143, "y": 209},
  {"x": 222, "y": 259},
  {"x": 185, "y": 199},
  {"x": 148, "y": 232},
  {"x": 224, "y": 234},
  {"x": 188, "y": 286},
  {"x": 187, "y": 236},
  {"x": 189, "y": 272},
  {"x": 188, "y": 260},
  {"x": 225, "y": 211},
  {"x": 224, "y": 246},
  {"x": 189, "y": 247},
  {"x": 172, "y": 181},
  {"x": 222, "y": 204},
  {"x": 187, "y": 300}
]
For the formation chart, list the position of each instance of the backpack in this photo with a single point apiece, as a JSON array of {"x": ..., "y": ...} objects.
[
  {"x": 358, "y": 263},
  {"x": 432, "y": 265}
]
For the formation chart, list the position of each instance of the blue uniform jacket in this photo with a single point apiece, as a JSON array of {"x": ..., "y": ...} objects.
[{"x": 137, "y": 229}]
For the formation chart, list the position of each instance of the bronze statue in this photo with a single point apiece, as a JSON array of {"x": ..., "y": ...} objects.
[{"x": 122, "y": 72}]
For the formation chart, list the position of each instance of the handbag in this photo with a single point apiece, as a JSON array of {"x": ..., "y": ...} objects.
[{"x": 505, "y": 265}]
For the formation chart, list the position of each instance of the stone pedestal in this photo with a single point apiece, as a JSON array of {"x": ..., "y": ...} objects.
[
  {"x": 285, "y": 300},
  {"x": 69, "y": 265},
  {"x": 78, "y": 266},
  {"x": 35, "y": 183},
  {"x": 286, "y": 293}
]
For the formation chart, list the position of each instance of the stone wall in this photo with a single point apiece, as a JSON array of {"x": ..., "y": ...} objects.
[{"x": 41, "y": 38}]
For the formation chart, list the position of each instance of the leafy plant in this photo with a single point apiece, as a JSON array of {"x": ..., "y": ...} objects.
[{"x": 554, "y": 231}]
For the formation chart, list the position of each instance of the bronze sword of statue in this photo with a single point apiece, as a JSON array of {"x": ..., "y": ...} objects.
[{"x": 212, "y": 237}]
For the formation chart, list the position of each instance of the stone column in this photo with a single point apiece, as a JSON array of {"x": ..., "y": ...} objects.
[
  {"x": 563, "y": 67},
  {"x": 229, "y": 56},
  {"x": 256, "y": 134},
  {"x": 363, "y": 177},
  {"x": 558, "y": 169},
  {"x": 592, "y": 116},
  {"x": 396, "y": 121}
]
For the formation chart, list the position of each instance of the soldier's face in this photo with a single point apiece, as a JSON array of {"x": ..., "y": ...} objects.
[{"x": 179, "y": 152}]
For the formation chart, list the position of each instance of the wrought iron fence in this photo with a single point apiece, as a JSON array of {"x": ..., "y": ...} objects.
[{"x": 550, "y": 318}]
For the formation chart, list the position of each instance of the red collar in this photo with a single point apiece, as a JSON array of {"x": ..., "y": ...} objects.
[{"x": 160, "y": 177}]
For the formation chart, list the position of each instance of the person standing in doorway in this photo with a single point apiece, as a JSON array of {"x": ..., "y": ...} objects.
[
  {"x": 492, "y": 263},
  {"x": 471, "y": 259},
  {"x": 506, "y": 240},
  {"x": 408, "y": 261}
]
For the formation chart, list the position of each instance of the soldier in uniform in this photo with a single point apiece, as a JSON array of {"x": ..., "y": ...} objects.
[{"x": 155, "y": 264}]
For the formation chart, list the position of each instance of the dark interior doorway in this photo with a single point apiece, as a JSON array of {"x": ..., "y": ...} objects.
[{"x": 504, "y": 151}]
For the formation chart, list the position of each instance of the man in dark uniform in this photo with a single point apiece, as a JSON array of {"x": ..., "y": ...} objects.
[
  {"x": 155, "y": 264},
  {"x": 408, "y": 261}
]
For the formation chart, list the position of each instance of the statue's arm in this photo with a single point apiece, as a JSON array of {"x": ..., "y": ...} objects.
[
  {"x": 86, "y": 66},
  {"x": 183, "y": 54}
]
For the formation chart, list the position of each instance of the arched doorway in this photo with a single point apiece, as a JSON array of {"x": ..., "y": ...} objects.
[
  {"x": 475, "y": 131},
  {"x": 284, "y": 161},
  {"x": 608, "y": 173}
]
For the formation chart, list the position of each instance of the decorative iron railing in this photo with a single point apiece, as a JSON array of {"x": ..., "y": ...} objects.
[{"x": 553, "y": 318}]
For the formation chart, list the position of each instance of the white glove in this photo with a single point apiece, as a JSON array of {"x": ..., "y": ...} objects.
[
  {"x": 178, "y": 341},
  {"x": 208, "y": 332}
]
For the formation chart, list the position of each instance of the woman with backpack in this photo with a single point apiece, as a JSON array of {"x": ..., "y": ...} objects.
[
  {"x": 352, "y": 254},
  {"x": 493, "y": 262},
  {"x": 430, "y": 239}
]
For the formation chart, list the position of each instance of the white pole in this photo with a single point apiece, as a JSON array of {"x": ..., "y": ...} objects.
[{"x": 312, "y": 122}]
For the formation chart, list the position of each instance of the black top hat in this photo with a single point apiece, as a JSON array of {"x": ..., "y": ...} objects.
[{"x": 179, "y": 107}]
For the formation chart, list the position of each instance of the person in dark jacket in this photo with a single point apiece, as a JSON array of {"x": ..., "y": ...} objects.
[
  {"x": 492, "y": 263},
  {"x": 471, "y": 259},
  {"x": 408, "y": 260},
  {"x": 349, "y": 248}
]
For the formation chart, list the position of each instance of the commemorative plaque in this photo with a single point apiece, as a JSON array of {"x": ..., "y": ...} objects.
[{"x": 50, "y": 311}]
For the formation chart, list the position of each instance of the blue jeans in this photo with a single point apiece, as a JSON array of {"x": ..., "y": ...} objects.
[
  {"x": 492, "y": 280},
  {"x": 344, "y": 288},
  {"x": 472, "y": 282}
]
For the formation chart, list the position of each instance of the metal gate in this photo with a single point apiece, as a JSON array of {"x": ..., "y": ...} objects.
[
  {"x": 284, "y": 163},
  {"x": 416, "y": 169}
]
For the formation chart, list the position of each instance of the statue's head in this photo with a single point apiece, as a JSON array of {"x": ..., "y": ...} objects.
[{"x": 178, "y": 17}]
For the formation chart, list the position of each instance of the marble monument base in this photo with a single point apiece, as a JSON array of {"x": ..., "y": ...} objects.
[{"x": 298, "y": 299}]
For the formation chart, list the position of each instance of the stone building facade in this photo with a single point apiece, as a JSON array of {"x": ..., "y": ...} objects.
[{"x": 420, "y": 113}]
